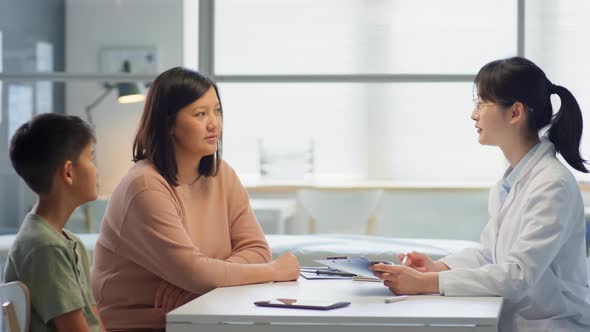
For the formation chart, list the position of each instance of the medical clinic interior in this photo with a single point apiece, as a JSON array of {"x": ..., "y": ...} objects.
[{"x": 374, "y": 165}]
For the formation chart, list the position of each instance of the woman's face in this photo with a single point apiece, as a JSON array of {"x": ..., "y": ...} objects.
[
  {"x": 198, "y": 126},
  {"x": 491, "y": 122}
]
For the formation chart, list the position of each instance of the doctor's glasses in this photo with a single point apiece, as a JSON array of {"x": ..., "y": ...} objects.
[{"x": 478, "y": 104}]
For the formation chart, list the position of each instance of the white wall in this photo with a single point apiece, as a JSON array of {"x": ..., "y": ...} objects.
[{"x": 91, "y": 25}]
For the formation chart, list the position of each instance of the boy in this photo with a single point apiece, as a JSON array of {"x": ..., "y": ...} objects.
[{"x": 53, "y": 153}]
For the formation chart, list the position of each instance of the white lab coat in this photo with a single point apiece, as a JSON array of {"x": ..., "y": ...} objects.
[{"x": 532, "y": 251}]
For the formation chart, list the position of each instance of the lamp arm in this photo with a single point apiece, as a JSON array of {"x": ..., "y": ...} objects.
[
  {"x": 98, "y": 100},
  {"x": 88, "y": 109}
]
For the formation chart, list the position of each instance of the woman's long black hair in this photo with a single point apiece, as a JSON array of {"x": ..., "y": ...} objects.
[{"x": 518, "y": 79}]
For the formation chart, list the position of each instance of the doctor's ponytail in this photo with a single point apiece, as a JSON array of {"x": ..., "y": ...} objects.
[
  {"x": 518, "y": 79},
  {"x": 566, "y": 128}
]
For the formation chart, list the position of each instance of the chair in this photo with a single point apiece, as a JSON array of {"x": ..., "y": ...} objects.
[
  {"x": 339, "y": 211},
  {"x": 15, "y": 315}
]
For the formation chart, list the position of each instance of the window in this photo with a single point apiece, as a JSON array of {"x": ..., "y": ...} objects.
[
  {"x": 361, "y": 37},
  {"x": 383, "y": 87}
]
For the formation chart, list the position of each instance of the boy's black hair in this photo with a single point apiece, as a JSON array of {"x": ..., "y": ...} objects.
[{"x": 40, "y": 146}]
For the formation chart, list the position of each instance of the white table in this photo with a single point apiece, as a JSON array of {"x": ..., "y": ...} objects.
[{"x": 232, "y": 309}]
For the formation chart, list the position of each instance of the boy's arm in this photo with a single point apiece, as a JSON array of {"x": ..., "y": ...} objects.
[
  {"x": 71, "y": 321},
  {"x": 95, "y": 309}
]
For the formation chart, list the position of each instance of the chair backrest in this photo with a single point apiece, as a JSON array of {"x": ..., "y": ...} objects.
[
  {"x": 15, "y": 301},
  {"x": 338, "y": 211}
]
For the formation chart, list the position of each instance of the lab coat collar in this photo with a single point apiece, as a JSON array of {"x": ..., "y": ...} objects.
[
  {"x": 498, "y": 205},
  {"x": 543, "y": 148},
  {"x": 511, "y": 174}
]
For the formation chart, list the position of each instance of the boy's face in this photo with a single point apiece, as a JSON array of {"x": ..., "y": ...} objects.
[{"x": 84, "y": 176}]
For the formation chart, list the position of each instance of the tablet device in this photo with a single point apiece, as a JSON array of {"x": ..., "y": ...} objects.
[
  {"x": 358, "y": 266},
  {"x": 302, "y": 304}
]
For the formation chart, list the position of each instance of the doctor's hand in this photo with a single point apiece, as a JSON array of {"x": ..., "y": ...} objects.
[
  {"x": 405, "y": 280},
  {"x": 285, "y": 267},
  {"x": 422, "y": 263}
]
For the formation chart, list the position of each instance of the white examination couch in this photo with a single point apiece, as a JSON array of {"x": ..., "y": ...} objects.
[{"x": 308, "y": 248}]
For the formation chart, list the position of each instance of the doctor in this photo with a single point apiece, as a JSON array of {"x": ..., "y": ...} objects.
[{"x": 532, "y": 250}]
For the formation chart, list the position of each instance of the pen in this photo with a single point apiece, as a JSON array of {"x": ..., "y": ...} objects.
[
  {"x": 396, "y": 299},
  {"x": 335, "y": 273},
  {"x": 327, "y": 272},
  {"x": 405, "y": 259},
  {"x": 360, "y": 278}
]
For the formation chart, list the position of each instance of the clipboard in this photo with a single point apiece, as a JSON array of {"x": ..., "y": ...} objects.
[
  {"x": 314, "y": 276},
  {"x": 358, "y": 266}
]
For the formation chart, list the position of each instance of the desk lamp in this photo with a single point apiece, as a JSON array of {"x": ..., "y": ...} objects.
[{"x": 128, "y": 92}]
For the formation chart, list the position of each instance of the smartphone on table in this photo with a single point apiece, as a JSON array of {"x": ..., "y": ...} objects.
[{"x": 302, "y": 304}]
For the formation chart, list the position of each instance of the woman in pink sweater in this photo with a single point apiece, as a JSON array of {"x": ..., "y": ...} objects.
[{"x": 179, "y": 224}]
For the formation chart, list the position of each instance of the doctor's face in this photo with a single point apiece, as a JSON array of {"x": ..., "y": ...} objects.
[{"x": 491, "y": 122}]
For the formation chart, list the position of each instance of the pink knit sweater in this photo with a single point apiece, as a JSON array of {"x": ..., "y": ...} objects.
[{"x": 194, "y": 237}]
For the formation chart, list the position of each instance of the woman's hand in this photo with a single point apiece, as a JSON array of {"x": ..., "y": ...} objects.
[
  {"x": 285, "y": 267},
  {"x": 422, "y": 263},
  {"x": 404, "y": 280}
]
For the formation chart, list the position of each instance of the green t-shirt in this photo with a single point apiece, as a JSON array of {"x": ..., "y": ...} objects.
[{"x": 55, "y": 268}]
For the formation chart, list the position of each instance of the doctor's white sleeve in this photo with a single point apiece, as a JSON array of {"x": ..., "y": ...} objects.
[{"x": 548, "y": 222}]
